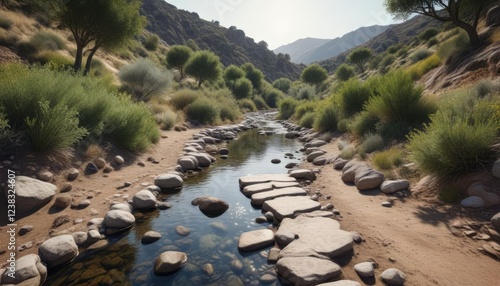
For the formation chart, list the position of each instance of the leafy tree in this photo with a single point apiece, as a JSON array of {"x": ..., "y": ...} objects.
[
  {"x": 204, "y": 65},
  {"x": 344, "y": 72},
  {"x": 144, "y": 79},
  {"x": 231, "y": 74},
  {"x": 263, "y": 44},
  {"x": 314, "y": 74},
  {"x": 242, "y": 88},
  {"x": 253, "y": 74},
  {"x": 178, "y": 57},
  {"x": 282, "y": 84},
  {"x": 106, "y": 24},
  {"x": 360, "y": 57},
  {"x": 462, "y": 13}
]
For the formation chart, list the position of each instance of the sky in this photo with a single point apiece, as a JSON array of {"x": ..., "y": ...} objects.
[{"x": 280, "y": 22}]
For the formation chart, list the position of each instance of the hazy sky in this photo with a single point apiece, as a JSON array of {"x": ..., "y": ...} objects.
[{"x": 280, "y": 22}]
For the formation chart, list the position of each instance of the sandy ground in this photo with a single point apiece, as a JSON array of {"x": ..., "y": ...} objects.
[{"x": 413, "y": 236}]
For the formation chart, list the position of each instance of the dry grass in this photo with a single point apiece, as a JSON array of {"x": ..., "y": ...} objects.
[{"x": 95, "y": 151}]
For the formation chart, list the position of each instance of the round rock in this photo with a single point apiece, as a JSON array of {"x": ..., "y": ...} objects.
[
  {"x": 393, "y": 276},
  {"x": 169, "y": 181},
  {"x": 365, "y": 269},
  {"x": 495, "y": 221},
  {"x": 144, "y": 200},
  {"x": 29, "y": 271},
  {"x": 58, "y": 250},
  {"x": 472, "y": 202},
  {"x": 119, "y": 160},
  {"x": 182, "y": 231},
  {"x": 118, "y": 219},
  {"x": 213, "y": 207},
  {"x": 150, "y": 237},
  {"x": 62, "y": 201},
  {"x": 169, "y": 262}
]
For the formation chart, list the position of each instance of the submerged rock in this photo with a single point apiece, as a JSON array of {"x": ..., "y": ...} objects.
[
  {"x": 212, "y": 207},
  {"x": 256, "y": 240},
  {"x": 169, "y": 262}
]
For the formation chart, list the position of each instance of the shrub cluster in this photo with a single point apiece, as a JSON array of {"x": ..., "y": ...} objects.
[{"x": 287, "y": 108}]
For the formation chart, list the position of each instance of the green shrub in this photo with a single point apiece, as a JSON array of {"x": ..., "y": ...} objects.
[
  {"x": 260, "y": 103},
  {"x": 229, "y": 113},
  {"x": 342, "y": 144},
  {"x": 304, "y": 108},
  {"x": 364, "y": 123},
  {"x": 419, "y": 55},
  {"x": 183, "y": 98},
  {"x": 402, "y": 52},
  {"x": 46, "y": 40},
  {"x": 432, "y": 42},
  {"x": 428, "y": 34},
  {"x": 344, "y": 72},
  {"x": 287, "y": 108},
  {"x": 388, "y": 159},
  {"x": 353, "y": 97},
  {"x": 307, "y": 92},
  {"x": 151, "y": 42},
  {"x": 307, "y": 120},
  {"x": 417, "y": 70},
  {"x": 5, "y": 21},
  {"x": 247, "y": 104},
  {"x": 453, "y": 45},
  {"x": 371, "y": 142},
  {"x": 5, "y": 131},
  {"x": 451, "y": 194},
  {"x": 58, "y": 61},
  {"x": 272, "y": 96},
  {"x": 400, "y": 106},
  {"x": 383, "y": 67},
  {"x": 327, "y": 119},
  {"x": 282, "y": 84},
  {"x": 484, "y": 88},
  {"x": 144, "y": 79},
  {"x": 53, "y": 128},
  {"x": 166, "y": 120},
  {"x": 203, "y": 110},
  {"x": 242, "y": 88}
]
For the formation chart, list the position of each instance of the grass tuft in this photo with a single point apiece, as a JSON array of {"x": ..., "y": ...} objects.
[{"x": 388, "y": 159}]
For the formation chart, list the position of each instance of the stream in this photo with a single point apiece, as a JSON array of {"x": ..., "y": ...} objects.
[{"x": 212, "y": 241}]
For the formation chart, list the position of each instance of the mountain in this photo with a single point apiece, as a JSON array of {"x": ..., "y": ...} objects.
[
  {"x": 177, "y": 27},
  {"x": 300, "y": 47}
]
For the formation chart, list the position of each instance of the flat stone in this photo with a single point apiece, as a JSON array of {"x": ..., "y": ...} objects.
[
  {"x": 265, "y": 178},
  {"x": 320, "y": 161},
  {"x": 307, "y": 271},
  {"x": 101, "y": 244},
  {"x": 290, "y": 206},
  {"x": 25, "y": 229},
  {"x": 387, "y": 204},
  {"x": 472, "y": 202},
  {"x": 150, "y": 237},
  {"x": 315, "y": 237},
  {"x": 259, "y": 198},
  {"x": 393, "y": 186},
  {"x": 365, "y": 269},
  {"x": 255, "y": 240},
  {"x": 169, "y": 262},
  {"x": 393, "y": 276},
  {"x": 264, "y": 187},
  {"x": 303, "y": 174}
]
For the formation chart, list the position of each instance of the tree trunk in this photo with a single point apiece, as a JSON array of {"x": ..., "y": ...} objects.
[
  {"x": 78, "y": 57},
  {"x": 471, "y": 32},
  {"x": 89, "y": 60}
]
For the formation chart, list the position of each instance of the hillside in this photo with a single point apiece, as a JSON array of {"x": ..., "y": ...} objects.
[
  {"x": 177, "y": 27},
  {"x": 298, "y": 48},
  {"x": 341, "y": 44}
]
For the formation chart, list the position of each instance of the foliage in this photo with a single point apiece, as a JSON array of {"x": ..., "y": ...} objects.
[
  {"x": 388, "y": 159},
  {"x": 364, "y": 123},
  {"x": 231, "y": 74},
  {"x": 260, "y": 103},
  {"x": 360, "y": 57},
  {"x": 314, "y": 74},
  {"x": 178, "y": 57},
  {"x": 307, "y": 120},
  {"x": 204, "y": 65},
  {"x": 326, "y": 119},
  {"x": 55, "y": 59},
  {"x": 353, "y": 96},
  {"x": 287, "y": 108},
  {"x": 203, "y": 110},
  {"x": 418, "y": 69},
  {"x": 272, "y": 96},
  {"x": 144, "y": 79},
  {"x": 305, "y": 107},
  {"x": 166, "y": 120},
  {"x": 151, "y": 42},
  {"x": 344, "y": 72},
  {"x": 184, "y": 97},
  {"x": 453, "y": 45},
  {"x": 428, "y": 34},
  {"x": 106, "y": 24},
  {"x": 484, "y": 88},
  {"x": 47, "y": 40},
  {"x": 254, "y": 75},
  {"x": 247, "y": 104},
  {"x": 242, "y": 88},
  {"x": 282, "y": 84},
  {"x": 5, "y": 21},
  {"x": 419, "y": 55},
  {"x": 383, "y": 66},
  {"x": 371, "y": 142},
  {"x": 307, "y": 92}
]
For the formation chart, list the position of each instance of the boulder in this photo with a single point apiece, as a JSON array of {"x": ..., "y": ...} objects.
[
  {"x": 314, "y": 155},
  {"x": 32, "y": 195},
  {"x": 122, "y": 207},
  {"x": 144, "y": 200},
  {"x": 29, "y": 270},
  {"x": 303, "y": 174},
  {"x": 393, "y": 276},
  {"x": 493, "y": 16},
  {"x": 62, "y": 201},
  {"x": 91, "y": 168},
  {"x": 169, "y": 181},
  {"x": 118, "y": 219},
  {"x": 479, "y": 190},
  {"x": 339, "y": 163},
  {"x": 320, "y": 161},
  {"x": 315, "y": 143},
  {"x": 290, "y": 206},
  {"x": 393, "y": 186},
  {"x": 188, "y": 163},
  {"x": 212, "y": 207},
  {"x": 204, "y": 160},
  {"x": 58, "y": 250},
  {"x": 256, "y": 240},
  {"x": 169, "y": 262},
  {"x": 307, "y": 271},
  {"x": 368, "y": 179},
  {"x": 349, "y": 170},
  {"x": 472, "y": 202},
  {"x": 73, "y": 174},
  {"x": 495, "y": 221},
  {"x": 100, "y": 163}
]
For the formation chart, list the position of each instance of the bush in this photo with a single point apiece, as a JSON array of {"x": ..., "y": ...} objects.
[
  {"x": 388, "y": 159},
  {"x": 5, "y": 21},
  {"x": 282, "y": 84},
  {"x": 307, "y": 93},
  {"x": 348, "y": 152},
  {"x": 26, "y": 49},
  {"x": 228, "y": 106},
  {"x": 151, "y": 42},
  {"x": 166, "y": 120},
  {"x": 432, "y": 42},
  {"x": 57, "y": 60},
  {"x": 418, "y": 69},
  {"x": 46, "y": 40},
  {"x": 242, "y": 88},
  {"x": 247, "y": 104},
  {"x": 428, "y": 34},
  {"x": 371, "y": 142},
  {"x": 484, "y": 88},
  {"x": 419, "y": 55},
  {"x": 260, "y": 103},
  {"x": 203, "y": 110},
  {"x": 327, "y": 119},
  {"x": 272, "y": 96},
  {"x": 183, "y": 98},
  {"x": 453, "y": 45},
  {"x": 344, "y": 72},
  {"x": 286, "y": 108},
  {"x": 383, "y": 67},
  {"x": 144, "y": 79},
  {"x": 354, "y": 95},
  {"x": 364, "y": 123},
  {"x": 307, "y": 120},
  {"x": 304, "y": 108}
]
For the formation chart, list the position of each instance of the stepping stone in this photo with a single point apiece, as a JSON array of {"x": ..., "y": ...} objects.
[
  {"x": 287, "y": 207},
  {"x": 256, "y": 240},
  {"x": 303, "y": 174},
  {"x": 259, "y": 188},
  {"x": 265, "y": 178},
  {"x": 260, "y": 198},
  {"x": 307, "y": 271},
  {"x": 317, "y": 237}
]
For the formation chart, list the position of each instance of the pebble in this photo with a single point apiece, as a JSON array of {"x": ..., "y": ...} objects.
[
  {"x": 393, "y": 276},
  {"x": 387, "y": 204},
  {"x": 275, "y": 161},
  {"x": 365, "y": 269},
  {"x": 25, "y": 229},
  {"x": 182, "y": 231},
  {"x": 119, "y": 160},
  {"x": 66, "y": 188},
  {"x": 261, "y": 219}
]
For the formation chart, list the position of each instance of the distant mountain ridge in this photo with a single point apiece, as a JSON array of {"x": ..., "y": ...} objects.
[
  {"x": 177, "y": 27},
  {"x": 298, "y": 48},
  {"x": 331, "y": 48}
]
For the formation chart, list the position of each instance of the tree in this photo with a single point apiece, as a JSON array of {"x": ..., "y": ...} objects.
[
  {"x": 231, "y": 74},
  {"x": 462, "y": 13},
  {"x": 242, "y": 88},
  {"x": 263, "y": 44},
  {"x": 178, "y": 57},
  {"x": 105, "y": 24},
  {"x": 314, "y": 74},
  {"x": 253, "y": 74},
  {"x": 204, "y": 65},
  {"x": 344, "y": 72},
  {"x": 282, "y": 84},
  {"x": 144, "y": 79},
  {"x": 360, "y": 57}
]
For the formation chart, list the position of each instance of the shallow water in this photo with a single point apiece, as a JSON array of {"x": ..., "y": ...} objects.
[{"x": 212, "y": 240}]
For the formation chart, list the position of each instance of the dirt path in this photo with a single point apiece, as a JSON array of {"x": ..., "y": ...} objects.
[
  {"x": 412, "y": 236},
  {"x": 101, "y": 189}
]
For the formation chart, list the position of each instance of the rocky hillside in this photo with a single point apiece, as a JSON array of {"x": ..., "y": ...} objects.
[
  {"x": 298, "y": 48},
  {"x": 177, "y": 27}
]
